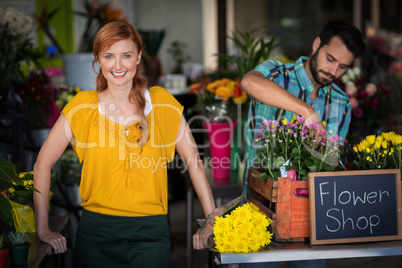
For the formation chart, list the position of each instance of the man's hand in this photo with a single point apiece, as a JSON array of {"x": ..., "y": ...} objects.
[
  {"x": 321, "y": 131},
  {"x": 56, "y": 240}
]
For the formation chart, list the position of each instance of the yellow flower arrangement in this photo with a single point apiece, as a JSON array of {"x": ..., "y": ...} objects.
[
  {"x": 244, "y": 230},
  {"x": 216, "y": 92},
  {"x": 22, "y": 194},
  {"x": 378, "y": 152}
]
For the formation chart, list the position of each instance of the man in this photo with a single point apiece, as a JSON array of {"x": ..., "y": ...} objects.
[{"x": 305, "y": 88}]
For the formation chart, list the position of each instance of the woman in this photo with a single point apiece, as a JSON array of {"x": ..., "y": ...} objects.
[{"x": 124, "y": 134}]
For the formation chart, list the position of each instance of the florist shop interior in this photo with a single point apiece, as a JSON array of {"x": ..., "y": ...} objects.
[{"x": 336, "y": 199}]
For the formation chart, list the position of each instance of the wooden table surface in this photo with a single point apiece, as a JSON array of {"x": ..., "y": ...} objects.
[{"x": 39, "y": 250}]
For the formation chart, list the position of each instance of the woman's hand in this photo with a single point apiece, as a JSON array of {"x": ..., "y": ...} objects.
[
  {"x": 56, "y": 240},
  {"x": 200, "y": 238}
]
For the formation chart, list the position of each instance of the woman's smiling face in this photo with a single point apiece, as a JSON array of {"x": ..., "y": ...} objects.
[{"x": 119, "y": 63}]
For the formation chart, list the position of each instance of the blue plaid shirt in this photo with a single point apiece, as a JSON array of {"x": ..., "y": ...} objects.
[{"x": 332, "y": 105}]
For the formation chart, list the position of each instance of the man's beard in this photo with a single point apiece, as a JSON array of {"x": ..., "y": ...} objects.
[{"x": 315, "y": 71}]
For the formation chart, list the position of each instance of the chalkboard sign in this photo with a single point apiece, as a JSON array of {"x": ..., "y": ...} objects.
[{"x": 355, "y": 206}]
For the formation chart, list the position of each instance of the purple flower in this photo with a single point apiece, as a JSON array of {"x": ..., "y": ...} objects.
[
  {"x": 300, "y": 119},
  {"x": 258, "y": 134},
  {"x": 261, "y": 128},
  {"x": 313, "y": 126}
]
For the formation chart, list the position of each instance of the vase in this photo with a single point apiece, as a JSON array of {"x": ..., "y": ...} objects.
[
  {"x": 78, "y": 71},
  {"x": 220, "y": 143},
  {"x": 3, "y": 257},
  {"x": 19, "y": 254}
]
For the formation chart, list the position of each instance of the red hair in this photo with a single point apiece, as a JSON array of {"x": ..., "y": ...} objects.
[{"x": 108, "y": 35}]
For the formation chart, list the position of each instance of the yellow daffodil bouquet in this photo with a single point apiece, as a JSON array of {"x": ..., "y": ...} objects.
[
  {"x": 244, "y": 229},
  {"x": 218, "y": 98},
  {"x": 378, "y": 152}
]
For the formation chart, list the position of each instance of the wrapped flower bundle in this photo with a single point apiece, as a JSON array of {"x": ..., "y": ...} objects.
[{"x": 244, "y": 230}]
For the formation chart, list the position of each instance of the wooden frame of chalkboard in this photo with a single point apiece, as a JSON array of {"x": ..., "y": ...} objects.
[{"x": 355, "y": 206}]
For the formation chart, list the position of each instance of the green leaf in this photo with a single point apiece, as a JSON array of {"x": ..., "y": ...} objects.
[
  {"x": 303, "y": 172},
  {"x": 8, "y": 175},
  {"x": 313, "y": 168},
  {"x": 6, "y": 210}
]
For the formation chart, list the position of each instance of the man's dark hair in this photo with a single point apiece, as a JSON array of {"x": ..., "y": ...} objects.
[{"x": 349, "y": 34}]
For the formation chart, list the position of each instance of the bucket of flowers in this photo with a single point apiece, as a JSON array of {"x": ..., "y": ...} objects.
[{"x": 217, "y": 104}]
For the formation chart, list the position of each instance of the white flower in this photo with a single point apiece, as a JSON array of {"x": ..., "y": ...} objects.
[
  {"x": 357, "y": 71},
  {"x": 345, "y": 78},
  {"x": 351, "y": 74},
  {"x": 18, "y": 22}
]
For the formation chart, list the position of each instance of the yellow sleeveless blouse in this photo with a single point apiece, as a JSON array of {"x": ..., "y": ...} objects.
[{"x": 119, "y": 178}]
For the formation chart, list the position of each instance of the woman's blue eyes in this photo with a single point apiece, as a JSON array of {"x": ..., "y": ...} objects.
[{"x": 124, "y": 56}]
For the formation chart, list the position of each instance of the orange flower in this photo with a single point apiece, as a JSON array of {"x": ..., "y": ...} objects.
[{"x": 195, "y": 87}]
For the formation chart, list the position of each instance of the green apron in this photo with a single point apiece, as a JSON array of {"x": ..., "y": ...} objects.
[{"x": 114, "y": 241}]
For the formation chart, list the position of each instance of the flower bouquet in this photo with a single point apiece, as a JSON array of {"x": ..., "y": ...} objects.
[
  {"x": 217, "y": 100},
  {"x": 238, "y": 227},
  {"x": 378, "y": 152},
  {"x": 290, "y": 149}
]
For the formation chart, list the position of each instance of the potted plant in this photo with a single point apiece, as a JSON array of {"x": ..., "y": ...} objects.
[
  {"x": 16, "y": 198},
  {"x": 286, "y": 153},
  {"x": 19, "y": 249},
  {"x": 382, "y": 151},
  {"x": 3, "y": 252}
]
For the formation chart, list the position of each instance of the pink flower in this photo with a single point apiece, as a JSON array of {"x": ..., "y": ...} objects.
[
  {"x": 354, "y": 103},
  {"x": 292, "y": 174},
  {"x": 265, "y": 122},
  {"x": 351, "y": 89},
  {"x": 370, "y": 89},
  {"x": 258, "y": 134}
]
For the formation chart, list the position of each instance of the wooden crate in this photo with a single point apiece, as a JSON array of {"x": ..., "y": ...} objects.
[{"x": 289, "y": 213}]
